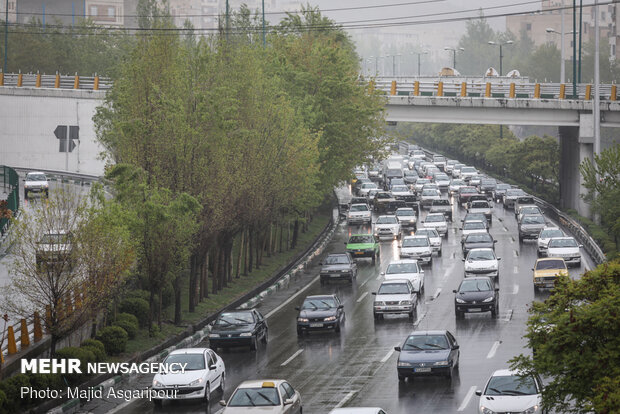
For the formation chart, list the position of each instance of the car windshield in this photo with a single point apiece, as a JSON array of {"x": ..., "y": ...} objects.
[
  {"x": 400, "y": 188},
  {"x": 488, "y": 182},
  {"x": 439, "y": 159},
  {"x": 530, "y": 210},
  {"x": 547, "y": 234},
  {"x": 405, "y": 212},
  {"x": 511, "y": 385},
  {"x": 319, "y": 303},
  {"x": 359, "y": 207},
  {"x": 235, "y": 318},
  {"x": 514, "y": 192},
  {"x": 254, "y": 397},
  {"x": 337, "y": 259},
  {"x": 194, "y": 361},
  {"x": 427, "y": 232},
  {"x": 369, "y": 185},
  {"x": 36, "y": 177},
  {"x": 383, "y": 195},
  {"x": 481, "y": 255},
  {"x": 435, "y": 218},
  {"x": 479, "y": 204},
  {"x": 474, "y": 225},
  {"x": 468, "y": 190},
  {"x": 475, "y": 216},
  {"x": 393, "y": 289},
  {"x": 429, "y": 192},
  {"x": 550, "y": 264},
  {"x": 475, "y": 286},
  {"x": 415, "y": 242},
  {"x": 361, "y": 239},
  {"x": 395, "y": 268},
  {"x": 562, "y": 243},
  {"x": 442, "y": 202},
  {"x": 478, "y": 237},
  {"x": 526, "y": 200},
  {"x": 468, "y": 170},
  {"x": 533, "y": 220},
  {"x": 56, "y": 238},
  {"x": 423, "y": 181},
  {"x": 425, "y": 342},
  {"x": 387, "y": 220},
  {"x": 503, "y": 186},
  {"x": 441, "y": 177}
]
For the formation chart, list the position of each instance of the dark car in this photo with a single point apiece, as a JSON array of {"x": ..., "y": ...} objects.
[
  {"x": 337, "y": 267},
  {"x": 358, "y": 200},
  {"x": 381, "y": 201},
  {"x": 465, "y": 193},
  {"x": 522, "y": 202},
  {"x": 442, "y": 206},
  {"x": 476, "y": 294},
  {"x": 428, "y": 353},
  {"x": 320, "y": 312},
  {"x": 488, "y": 186},
  {"x": 475, "y": 217},
  {"x": 477, "y": 241},
  {"x": 499, "y": 191},
  {"x": 238, "y": 328},
  {"x": 477, "y": 197},
  {"x": 530, "y": 226}
]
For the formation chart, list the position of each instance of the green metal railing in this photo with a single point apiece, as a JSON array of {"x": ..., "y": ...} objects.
[{"x": 10, "y": 182}]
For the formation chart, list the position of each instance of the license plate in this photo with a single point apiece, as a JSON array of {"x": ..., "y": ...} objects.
[
  {"x": 334, "y": 275},
  {"x": 360, "y": 253},
  {"x": 475, "y": 309},
  {"x": 316, "y": 325},
  {"x": 422, "y": 370}
]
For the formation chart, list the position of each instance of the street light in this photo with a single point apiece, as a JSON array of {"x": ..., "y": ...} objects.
[
  {"x": 501, "y": 55},
  {"x": 562, "y": 69},
  {"x": 419, "y": 53},
  {"x": 454, "y": 54}
]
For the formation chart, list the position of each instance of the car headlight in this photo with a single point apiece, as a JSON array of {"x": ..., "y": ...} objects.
[
  {"x": 489, "y": 299},
  {"x": 405, "y": 302},
  {"x": 45, "y": 185},
  {"x": 404, "y": 364},
  {"x": 302, "y": 319},
  {"x": 531, "y": 410},
  {"x": 485, "y": 410},
  {"x": 157, "y": 384},
  {"x": 214, "y": 335},
  {"x": 330, "y": 319},
  {"x": 195, "y": 382},
  {"x": 460, "y": 300},
  {"x": 245, "y": 334},
  {"x": 445, "y": 362},
  {"x": 378, "y": 303}
]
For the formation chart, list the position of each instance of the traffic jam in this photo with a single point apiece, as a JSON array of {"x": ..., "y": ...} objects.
[{"x": 433, "y": 263}]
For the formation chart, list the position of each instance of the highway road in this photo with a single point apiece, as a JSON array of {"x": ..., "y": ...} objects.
[{"x": 358, "y": 366}]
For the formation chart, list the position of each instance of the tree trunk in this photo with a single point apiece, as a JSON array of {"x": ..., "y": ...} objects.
[
  {"x": 295, "y": 234},
  {"x": 206, "y": 273},
  {"x": 239, "y": 252},
  {"x": 177, "y": 299},
  {"x": 281, "y": 237},
  {"x": 159, "y": 308},
  {"x": 258, "y": 245},
  {"x": 193, "y": 279},
  {"x": 151, "y": 306},
  {"x": 250, "y": 248},
  {"x": 216, "y": 270}
]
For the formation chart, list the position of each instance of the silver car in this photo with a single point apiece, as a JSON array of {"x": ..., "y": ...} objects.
[
  {"x": 438, "y": 222},
  {"x": 545, "y": 235}
]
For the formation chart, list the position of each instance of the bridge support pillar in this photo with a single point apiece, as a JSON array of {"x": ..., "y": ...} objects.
[{"x": 576, "y": 144}]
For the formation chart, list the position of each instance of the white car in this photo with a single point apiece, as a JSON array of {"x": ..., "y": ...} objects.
[
  {"x": 455, "y": 184},
  {"x": 508, "y": 392},
  {"x": 36, "y": 183},
  {"x": 417, "y": 247},
  {"x": 438, "y": 222},
  {"x": 203, "y": 373},
  {"x": 434, "y": 237},
  {"x": 264, "y": 397},
  {"x": 456, "y": 170},
  {"x": 387, "y": 227},
  {"x": 359, "y": 213},
  {"x": 567, "y": 248},
  {"x": 406, "y": 269},
  {"x": 365, "y": 188},
  {"x": 427, "y": 196},
  {"x": 407, "y": 217},
  {"x": 470, "y": 227},
  {"x": 481, "y": 206},
  {"x": 399, "y": 191},
  {"x": 545, "y": 235},
  {"x": 482, "y": 262},
  {"x": 395, "y": 296},
  {"x": 358, "y": 410},
  {"x": 417, "y": 187},
  {"x": 442, "y": 180},
  {"x": 468, "y": 172}
]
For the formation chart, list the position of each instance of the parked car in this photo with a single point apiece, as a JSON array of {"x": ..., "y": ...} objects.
[
  {"x": 363, "y": 245},
  {"x": 442, "y": 206},
  {"x": 479, "y": 206},
  {"x": 394, "y": 297},
  {"x": 407, "y": 217},
  {"x": 434, "y": 237},
  {"x": 36, "y": 183},
  {"x": 337, "y": 267},
  {"x": 204, "y": 373},
  {"x": 387, "y": 227},
  {"x": 243, "y": 327},
  {"x": 320, "y": 312},
  {"x": 477, "y": 241},
  {"x": 547, "y": 270},
  {"x": 482, "y": 262},
  {"x": 509, "y": 391},
  {"x": 264, "y": 396},
  {"x": 359, "y": 213},
  {"x": 530, "y": 226},
  {"x": 567, "y": 248},
  {"x": 438, "y": 222},
  {"x": 406, "y": 269},
  {"x": 476, "y": 294},
  {"x": 417, "y": 247},
  {"x": 428, "y": 353},
  {"x": 544, "y": 236}
]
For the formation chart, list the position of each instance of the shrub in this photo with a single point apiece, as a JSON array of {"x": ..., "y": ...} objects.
[
  {"x": 139, "y": 294},
  {"x": 114, "y": 339},
  {"x": 99, "y": 354},
  {"x": 3, "y": 402},
  {"x": 43, "y": 381},
  {"x": 11, "y": 388},
  {"x": 94, "y": 343},
  {"x": 137, "y": 307},
  {"x": 167, "y": 295},
  {"x": 129, "y": 323},
  {"x": 84, "y": 355}
]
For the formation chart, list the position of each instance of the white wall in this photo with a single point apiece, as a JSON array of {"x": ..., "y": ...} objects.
[{"x": 28, "y": 118}]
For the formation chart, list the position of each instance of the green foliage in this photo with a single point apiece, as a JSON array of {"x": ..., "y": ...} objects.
[
  {"x": 84, "y": 354},
  {"x": 96, "y": 347},
  {"x": 4, "y": 402},
  {"x": 93, "y": 343},
  {"x": 43, "y": 381},
  {"x": 599, "y": 234},
  {"x": 114, "y": 339},
  {"x": 11, "y": 388},
  {"x": 137, "y": 307},
  {"x": 574, "y": 333},
  {"x": 129, "y": 323}
]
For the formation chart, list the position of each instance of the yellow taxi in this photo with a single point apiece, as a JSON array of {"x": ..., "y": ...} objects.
[
  {"x": 265, "y": 397},
  {"x": 547, "y": 270}
]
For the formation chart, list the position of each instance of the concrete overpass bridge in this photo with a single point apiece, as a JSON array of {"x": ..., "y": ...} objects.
[{"x": 40, "y": 111}]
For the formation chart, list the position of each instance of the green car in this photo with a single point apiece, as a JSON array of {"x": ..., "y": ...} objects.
[{"x": 363, "y": 245}]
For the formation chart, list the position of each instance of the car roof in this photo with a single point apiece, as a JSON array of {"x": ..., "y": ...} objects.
[
  {"x": 477, "y": 278},
  {"x": 359, "y": 204},
  {"x": 435, "y": 214},
  {"x": 435, "y": 332},
  {"x": 394, "y": 281},
  {"x": 338, "y": 254},
  {"x": 320, "y": 297},
  {"x": 424, "y": 236},
  {"x": 356, "y": 410},
  {"x": 486, "y": 249},
  {"x": 403, "y": 261},
  {"x": 563, "y": 238},
  {"x": 545, "y": 259},
  {"x": 360, "y": 234},
  {"x": 188, "y": 351},
  {"x": 504, "y": 372},
  {"x": 35, "y": 172},
  {"x": 259, "y": 383}
]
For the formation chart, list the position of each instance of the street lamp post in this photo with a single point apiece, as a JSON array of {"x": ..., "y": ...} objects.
[
  {"x": 419, "y": 53},
  {"x": 562, "y": 65},
  {"x": 501, "y": 54},
  {"x": 454, "y": 54}
]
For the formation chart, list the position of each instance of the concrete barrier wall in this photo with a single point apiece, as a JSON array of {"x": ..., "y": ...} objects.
[{"x": 28, "y": 119}]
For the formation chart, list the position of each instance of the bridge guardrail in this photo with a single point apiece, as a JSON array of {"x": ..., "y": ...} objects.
[
  {"x": 57, "y": 81},
  {"x": 589, "y": 244}
]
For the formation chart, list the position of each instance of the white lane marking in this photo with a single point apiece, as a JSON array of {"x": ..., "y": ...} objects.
[
  {"x": 220, "y": 411},
  {"x": 515, "y": 269},
  {"x": 292, "y": 357},
  {"x": 515, "y": 289},
  {"x": 512, "y": 240},
  {"x": 470, "y": 394},
  {"x": 389, "y": 354},
  {"x": 515, "y": 253},
  {"x": 380, "y": 276},
  {"x": 121, "y": 406},
  {"x": 366, "y": 281},
  {"x": 508, "y": 316},
  {"x": 345, "y": 399},
  {"x": 493, "y": 350},
  {"x": 418, "y": 320},
  {"x": 437, "y": 293},
  {"x": 289, "y": 300},
  {"x": 505, "y": 229},
  {"x": 361, "y": 298}
]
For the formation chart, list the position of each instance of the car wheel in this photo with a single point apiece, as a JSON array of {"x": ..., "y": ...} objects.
[
  {"x": 520, "y": 239},
  {"x": 439, "y": 253},
  {"x": 449, "y": 374},
  {"x": 494, "y": 313},
  {"x": 207, "y": 395},
  {"x": 401, "y": 378},
  {"x": 254, "y": 344},
  {"x": 337, "y": 328},
  {"x": 459, "y": 315},
  {"x": 265, "y": 335},
  {"x": 322, "y": 282},
  {"x": 222, "y": 384},
  {"x": 411, "y": 315},
  {"x": 300, "y": 332},
  {"x": 374, "y": 258},
  {"x": 430, "y": 262},
  {"x": 538, "y": 253},
  {"x": 378, "y": 316}
]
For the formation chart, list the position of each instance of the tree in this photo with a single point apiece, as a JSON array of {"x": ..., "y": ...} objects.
[
  {"x": 78, "y": 283},
  {"x": 575, "y": 337},
  {"x": 478, "y": 55},
  {"x": 544, "y": 64}
]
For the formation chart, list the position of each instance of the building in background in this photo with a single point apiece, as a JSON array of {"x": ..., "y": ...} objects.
[{"x": 12, "y": 15}]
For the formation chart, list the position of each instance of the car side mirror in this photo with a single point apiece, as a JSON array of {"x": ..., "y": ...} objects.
[
  {"x": 288, "y": 401},
  {"x": 455, "y": 347},
  {"x": 580, "y": 246},
  {"x": 479, "y": 393},
  {"x": 223, "y": 403},
  {"x": 340, "y": 306},
  {"x": 296, "y": 308},
  {"x": 374, "y": 293},
  {"x": 494, "y": 241},
  {"x": 497, "y": 289},
  {"x": 499, "y": 258},
  {"x": 212, "y": 366},
  {"x": 453, "y": 290},
  {"x": 532, "y": 269},
  {"x": 463, "y": 259},
  {"x": 397, "y": 348}
]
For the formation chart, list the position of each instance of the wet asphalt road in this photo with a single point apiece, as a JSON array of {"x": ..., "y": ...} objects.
[{"x": 358, "y": 366}]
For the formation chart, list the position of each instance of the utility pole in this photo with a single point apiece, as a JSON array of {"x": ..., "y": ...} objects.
[
  {"x": 597, "y": 102},
  {"x": 227, "y": 19},
  {"x": 264, "y": 41},
  {"x": 394, "y": 66},
  {"x": 6, "y": 34},
  {"x": 562, "y": 70},
  {"x": 580, "y": 30},
  {"x": 574, "y": 49}
]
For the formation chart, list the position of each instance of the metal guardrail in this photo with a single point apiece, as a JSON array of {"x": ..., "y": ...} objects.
[
  {"x": 57, "y": 81},
  {"x": 589, "y": 244}
]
